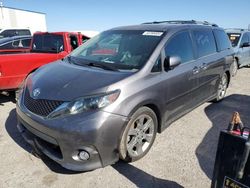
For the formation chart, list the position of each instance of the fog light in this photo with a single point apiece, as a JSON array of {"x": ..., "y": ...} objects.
[{"x": 83, "y": 155}]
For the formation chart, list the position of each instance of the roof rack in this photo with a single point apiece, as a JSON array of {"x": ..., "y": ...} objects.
[
  {"x": 240, "y": 29},
  {"x": 183, "y": 22}
]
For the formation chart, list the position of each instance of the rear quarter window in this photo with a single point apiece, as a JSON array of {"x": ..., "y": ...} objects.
[
  {"x": 205, "y": 42},
  {"x": 222, "y": 40}
]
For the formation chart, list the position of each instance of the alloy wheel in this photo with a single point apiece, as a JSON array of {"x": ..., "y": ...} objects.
[
  {"x": 140, "y": 135},
  {"x": 222, "y": 87}
]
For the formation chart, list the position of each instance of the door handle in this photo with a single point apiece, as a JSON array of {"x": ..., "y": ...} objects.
[
  {"x": 203, "y": 66},
  {"x": 196, "y": 70}
]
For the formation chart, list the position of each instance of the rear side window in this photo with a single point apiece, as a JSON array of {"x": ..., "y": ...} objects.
[
  {"x": 222, "y": 40},
  {"x": 180, "y": 45},
  {"x": 205, "y": 43},
  {"x": 23, "y": 32}
]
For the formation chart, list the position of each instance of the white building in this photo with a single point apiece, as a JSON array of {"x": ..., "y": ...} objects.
[{"x": 17, "y": 18}]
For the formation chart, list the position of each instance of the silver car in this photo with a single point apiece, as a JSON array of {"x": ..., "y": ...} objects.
[
  {"x": 109, "y": 97},
  {"x": 240, "y": 39}
]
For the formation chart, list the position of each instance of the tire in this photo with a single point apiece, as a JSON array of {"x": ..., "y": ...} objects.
[
  {"x": 222, "y": 88},
  {"x": 235, "y": 68},
  {"x": 139, "y": 135}
]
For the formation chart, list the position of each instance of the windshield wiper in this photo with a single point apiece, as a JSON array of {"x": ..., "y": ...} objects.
[
  {"x": 91, "y": 63},
  {"x": 101, "y": 65}
]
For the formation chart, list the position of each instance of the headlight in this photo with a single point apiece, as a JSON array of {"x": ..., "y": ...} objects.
[
  {"x": 85, "y": 104},
  {"x": 19, "y": 92}
]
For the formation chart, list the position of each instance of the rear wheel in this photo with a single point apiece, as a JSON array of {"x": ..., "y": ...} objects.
[
  {"x": 222, "y": 88},
  {"x": 139, "y": 135}
]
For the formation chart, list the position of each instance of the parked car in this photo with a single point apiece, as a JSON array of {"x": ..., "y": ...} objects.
[
  {"x": 10, "y": 32},
  {"x": 16, "y": 44},
  {"x": 45, "y": 48},
  {"x": 240, "y": 39},
  {"x": 90, "y": 109}
]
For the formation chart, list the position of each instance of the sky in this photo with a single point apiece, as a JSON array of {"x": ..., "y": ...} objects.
[{"x": 105, "y": 14}]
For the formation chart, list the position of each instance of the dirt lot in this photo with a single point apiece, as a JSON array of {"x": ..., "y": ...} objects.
[{"x": 182, "y": 156}]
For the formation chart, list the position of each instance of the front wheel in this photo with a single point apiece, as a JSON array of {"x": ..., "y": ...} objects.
[
  {"x": 222, "y": 88},
  {"x": 139, "y": 135},
  {"x": 234, "y": 67}
]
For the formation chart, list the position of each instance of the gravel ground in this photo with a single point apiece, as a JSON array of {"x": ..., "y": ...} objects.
[{"x": 182, "y": 156}]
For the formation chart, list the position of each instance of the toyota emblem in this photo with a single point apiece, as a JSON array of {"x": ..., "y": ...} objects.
[{"x": 36, "y": 92}]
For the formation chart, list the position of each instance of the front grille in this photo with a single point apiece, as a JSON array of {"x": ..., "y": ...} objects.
[{"x": 40, "y": 107}]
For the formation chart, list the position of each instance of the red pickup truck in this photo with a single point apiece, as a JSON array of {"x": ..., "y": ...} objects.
[{"x": 45, "y": 48}]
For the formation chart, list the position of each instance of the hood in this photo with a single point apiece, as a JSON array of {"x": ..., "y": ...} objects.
[
  {"x": 66, "y": 82},
  {"x": 30, "y": 57}
]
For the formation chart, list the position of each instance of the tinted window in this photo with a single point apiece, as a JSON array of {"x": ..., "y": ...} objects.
[
  {"x": 180, "y": 45},
  {"x": 222, "y": 40},
  {"x": 244, "y": 39},
  {"x": 8, "y": 33},
  {"x": 205, "y": 42},
  {"x": 26, "y": 43},
  {"x": 73, "y": 42},
  {"x": 48, "y": 43}
]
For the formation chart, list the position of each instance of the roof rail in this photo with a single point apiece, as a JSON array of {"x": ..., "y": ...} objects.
[
  {"x": 183, "y": 22},
  {"x": 236, "y": 29}
]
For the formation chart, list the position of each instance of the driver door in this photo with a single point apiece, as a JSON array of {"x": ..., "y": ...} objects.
[{"x": 179, "y": 83}]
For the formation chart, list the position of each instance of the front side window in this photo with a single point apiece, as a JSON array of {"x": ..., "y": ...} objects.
[
  {"x": 244, "y": 39},
  {"x": 73, "y": 41},
  {"x": 234, "y": 38},
  {"x": 26, "y": 43},
  {"x": 8, "y": 33},
  {"x": 121, "y": 49},
  {"x": 180, "y": 45},
  {"x": 222, "y": 40},
  {"x": 205, "y": 43},
  {"x": 50, "y": 43}
]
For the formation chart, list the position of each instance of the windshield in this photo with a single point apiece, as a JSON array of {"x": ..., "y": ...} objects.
[
  {"x": 122, "y": 50},
  {"x": 49, "y": 43},
  {"x": 234, "y": 38}
]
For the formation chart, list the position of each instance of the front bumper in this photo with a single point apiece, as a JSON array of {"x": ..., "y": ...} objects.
[{"x": 61, "y": 139}]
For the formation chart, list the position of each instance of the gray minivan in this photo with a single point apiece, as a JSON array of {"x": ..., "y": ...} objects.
[{"x": 109, "y": 97}]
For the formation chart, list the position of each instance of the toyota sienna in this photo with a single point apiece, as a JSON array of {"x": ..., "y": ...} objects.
[{"x": 110, "y": 96}]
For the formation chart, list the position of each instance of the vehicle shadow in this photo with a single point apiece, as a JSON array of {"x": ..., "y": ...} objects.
[
  {"x": 141, "y": 178},
  {"x": 220, "y": 115},
  {"x": 5, "y": 99},
  {"x": 11, "y": 128}
]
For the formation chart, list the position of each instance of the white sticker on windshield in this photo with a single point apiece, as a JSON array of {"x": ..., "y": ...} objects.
[{"x": 152, "y": 33}]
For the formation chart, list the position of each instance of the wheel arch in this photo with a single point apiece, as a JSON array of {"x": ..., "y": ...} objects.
[
  {"x": 154, "y": 107},
  {"x": 228, "y": 77}
]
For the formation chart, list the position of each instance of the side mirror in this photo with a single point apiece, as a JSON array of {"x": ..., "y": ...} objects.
[
  {"x": 171, "y": 62},
  {"x": 245, "y": 44}
]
